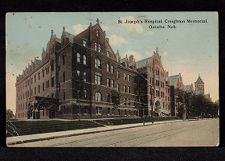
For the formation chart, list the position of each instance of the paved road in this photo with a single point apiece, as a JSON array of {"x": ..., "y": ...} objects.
[{"x": 185, "y": 133}]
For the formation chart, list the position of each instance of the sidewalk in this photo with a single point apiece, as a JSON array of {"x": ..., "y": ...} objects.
[{"x": 61, "y": 134}]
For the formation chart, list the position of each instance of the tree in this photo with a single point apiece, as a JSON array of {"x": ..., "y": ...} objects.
[
  {"x": 115, "y": 98},
  {"x": 9, "y": 114}
]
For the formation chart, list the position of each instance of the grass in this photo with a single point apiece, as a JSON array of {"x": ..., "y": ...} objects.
[
  {"x": 37, "y": 127},
  {"x": 133, "y": 120}
]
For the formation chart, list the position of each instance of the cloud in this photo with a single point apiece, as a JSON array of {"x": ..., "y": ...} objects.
[
  {"x": 165, "y": 53},
  {"x": 117, "y": 40},
  {"x": 78, "y": 28},
  {"x": 132, "y": 27},
  {"x": 137, "y": 56},
  {"x": 105, "y": 28}
]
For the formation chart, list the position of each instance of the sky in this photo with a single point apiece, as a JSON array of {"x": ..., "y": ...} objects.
[{"x": 190, "y": 48}]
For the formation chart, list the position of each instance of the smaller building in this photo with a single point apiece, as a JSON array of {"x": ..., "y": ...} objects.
[
  {"x": 199, "y": 86},
  {"x": 176, "y": 81},
  {"x": 189, "y": 88}
]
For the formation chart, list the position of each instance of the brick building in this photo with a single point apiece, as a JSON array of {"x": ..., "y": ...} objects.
[
  {"x": 80, "y": 76},
  {"x": 158, "y": 90}
]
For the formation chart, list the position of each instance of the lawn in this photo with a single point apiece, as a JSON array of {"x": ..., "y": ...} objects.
[{"x": 15, "y": 128}]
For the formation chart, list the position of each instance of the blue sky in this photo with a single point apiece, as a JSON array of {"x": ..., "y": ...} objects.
[{"x": 190, "y": 49}]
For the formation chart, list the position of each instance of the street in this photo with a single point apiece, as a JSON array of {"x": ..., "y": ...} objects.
[{"x": 185, "y": 133}]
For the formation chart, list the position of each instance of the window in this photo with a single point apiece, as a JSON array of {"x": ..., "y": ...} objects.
[
  {"x": 98, "y": 79},
  {"x": 84, "y": 43},
  {"x": 47, "y": 70},
  {"x": 38, "y": 76},
  {"x": 119, "y": 111},
  {"x": 85, "y": 93},
  {"x": 78, "y": 57},
  {"x": 64, "y": 95},
  {"x": 117, "y": 74},
  {"x": 97, "y": 63},
  {"x": 97, "y": 33},
  {"x": 124, "y": 76},
  {"x": 63, "y": 58},
  {"x": 125, "y": 89},
  {"x": 39, "y": 88},
  {"x": 112, "y": 69},
  {"x": 108, "y": 97},
  {"x": 43, "y": 86},
  {"x": 85, "y": 77},
  {"x": 128, "y": 89},
  {"x": 35, "y": 78},
  {"x": 108, "y": 82},
  {"x": 43, "y": 73},
  {"x": 84, "y": 59},
  {"x": 107, "y": 67},
  {"x": 118, "y": 87},
  {"x": 99, "y": 48},
  {"x": 128, "y": 77},
  {"x": 108, "y": 111},
  {"x": 64, "y": 77},
  {"x": 78, "y": 73},
  {"x": 112, "y": 83},
  {"x": 95, "y": 46},
  {"x": 52, "y": 81},
  {"x": 125, "y": 101},
  {"x": 107, "y": 53},
  {"x": 98, "y": 96},
  {"x": 47, "y": 83},
  {"x": 35, "y": 90},
  {"x": 98, "y": 110},
  {"x": 52, "y": 65}
]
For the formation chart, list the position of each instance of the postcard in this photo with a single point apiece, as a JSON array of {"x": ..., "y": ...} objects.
[{"x": 112, "y": 79}]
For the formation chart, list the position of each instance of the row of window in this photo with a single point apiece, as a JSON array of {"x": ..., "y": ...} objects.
[
  {"x": 34, "y": 79},
  {"x": 79, "y": 59},
  {"x": 157, "y": 82},
  {"x": 37, "y": 89},
  {"x": 84, "y": 75},
  {"x": 111, "y": 111}
]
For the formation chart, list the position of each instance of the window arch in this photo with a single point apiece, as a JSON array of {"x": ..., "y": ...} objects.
[{"x": 98, "y": 96}]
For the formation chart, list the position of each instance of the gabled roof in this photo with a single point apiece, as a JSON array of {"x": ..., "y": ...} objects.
[
  {"x": 199, "y": 80},
  {"x": 69, "y": 35},
  {"x": 142, "y": 63},
  {"x": 172, "y": 79},
  {"x": 188, "y": 87}
]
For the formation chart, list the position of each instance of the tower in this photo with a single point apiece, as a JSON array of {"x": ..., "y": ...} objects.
[{"x": 199, "y": 86}]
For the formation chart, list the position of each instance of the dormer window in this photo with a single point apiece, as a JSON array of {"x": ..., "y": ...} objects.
[{"x": 84, "y": 43}]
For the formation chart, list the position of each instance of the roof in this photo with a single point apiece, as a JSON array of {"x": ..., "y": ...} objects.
[
  {"x": 142, "y": 63},
  {"x": 199, "y": 80},
  {"x": 172, "y": 79},
  {"x": 69, "y": 35},
  {"x": 188, "y": 87}
]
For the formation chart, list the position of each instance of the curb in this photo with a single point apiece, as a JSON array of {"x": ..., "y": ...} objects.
[{"x": 84, "y": 133}]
